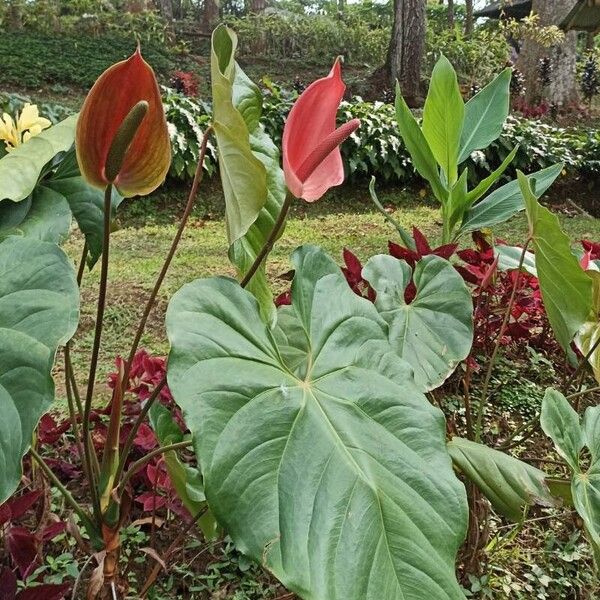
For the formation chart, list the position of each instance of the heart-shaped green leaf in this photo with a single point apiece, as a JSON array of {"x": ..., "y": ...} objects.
[
  {"x": 39, "y": 309},
  {"x": 85, "y": 201},
  {"x": 45, "y": 216},
  {"x": 560, "y": 422},
  {"x": 334, "y": 473},
  {"x": 435, "y": 331},
  {"x": 508, "y": 483},
  {"x": 21, "y": 168}
]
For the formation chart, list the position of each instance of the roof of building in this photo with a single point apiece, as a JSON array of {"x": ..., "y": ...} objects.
[
  {"x": 585, "y": 16},
  {"x": 506, "y": 8}
]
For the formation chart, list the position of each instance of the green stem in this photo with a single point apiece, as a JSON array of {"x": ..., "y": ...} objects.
[
  {"x": 139, "y": 464},
  {"x": 138, "y": 422},
  {"x": 198, "y": 176},
  {"x": 87, "y": 408},
  {"x": 268, "y": 245},
  {"x": 582, "y": 363},
  {"x": 486, "y": 383},
  {"x": 583, "y": 393},
  {"x": 77, "y": 508},
  {"x": 404, "y": 235}
]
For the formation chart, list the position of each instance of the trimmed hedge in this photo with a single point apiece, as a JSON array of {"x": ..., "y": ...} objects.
[{"x": 32, "y": 59}]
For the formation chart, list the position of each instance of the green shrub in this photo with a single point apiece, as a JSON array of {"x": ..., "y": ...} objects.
[
  {"x": 312, "y": 38},
  {"x": 11, "y": 103},
  {"x": 377, "y": 149},
  {"x": 32, "y": 59},
  {"x": 477, "y": 59}
]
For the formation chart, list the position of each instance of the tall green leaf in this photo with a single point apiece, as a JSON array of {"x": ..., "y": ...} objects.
[
  {"x": 334, "y": 476},
  {"x": 243, "y": 175},
  {"x": 246, "y": 100},
  {"x": 485, "y": 184},
  {"x": 418, "y": 148},
  {"x": 21, "y": 168},
  {"x": 485, "y": 115},
  {"x": 39, "y": 309},
  {"x": 443, "y": 117},
  {"x": 566, "y": 288},
  {"x": 186, "y": 480},
  {"x": 587, "y": 336},
  {"x": 435, "y": 331},
  {"x": 506, "y": 201},
  {"x": 508, "y": 483}
]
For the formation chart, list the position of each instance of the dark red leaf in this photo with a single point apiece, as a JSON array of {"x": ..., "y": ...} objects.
[
  {"x": 22, "y": 547},
  {"x": 19, "y": 505},
  {"x": 45, "y": 591},
  {"x": 445, "y": 251},
  {"x": 53, "y": 530},
  {"x": 8, "y": 584},
  {"x": 50, "y": 431},
  {"x": 421, "y": 243},
  {"x": 353, "y": 265}
]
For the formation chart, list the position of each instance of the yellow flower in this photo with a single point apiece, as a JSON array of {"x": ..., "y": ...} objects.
[{"x": 27, "y": 124}]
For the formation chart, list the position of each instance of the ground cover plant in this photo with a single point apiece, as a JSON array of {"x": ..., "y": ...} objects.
[{"x": 337, "y": 425}]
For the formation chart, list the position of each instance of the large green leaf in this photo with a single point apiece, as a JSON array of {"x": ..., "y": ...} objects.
[
  {"x": 45, "y": 215},
  {"x": 21, "y": 168},
  {"x": 39, "y": 308},
  {"x": 186, "y": 480},
  {"x": 418, "y": 148},
  {"x": 435, "y": 331},
  {"x": 243, "y": 175},
  {"x": 566, "y": 288},
  {"x": 335, "y": 474},
  {"x": 508, "y": 483},
  {"x": 443, "y": 117},
  {"x": 560, "y": 422},
  {"x": 506, "y": 201},
  {"x": 485, "y": 115}
]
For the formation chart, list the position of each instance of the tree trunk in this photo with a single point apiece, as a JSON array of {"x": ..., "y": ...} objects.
[
  {"x": 166, "y": 10},
  {"x": 450, "y": 14},
  {"x": 562, "y": 88},
  {"x": 210, "y": 15},
  {"x": 257, "y": 6},
  {"x": 406, "y": 48},
  {"x": 469, "y": 17}
]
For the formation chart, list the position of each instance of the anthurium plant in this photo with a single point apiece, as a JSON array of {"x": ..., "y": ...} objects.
[{"x": 321, "y": 446}]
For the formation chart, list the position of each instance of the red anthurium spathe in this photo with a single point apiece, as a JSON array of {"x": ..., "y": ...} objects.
[
  {"x": 312, "y": 162},
  {"x": 115, "y": 93}
]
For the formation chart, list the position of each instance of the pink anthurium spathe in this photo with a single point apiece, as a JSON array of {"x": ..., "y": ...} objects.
[
  {"x": 148, "y": 157},
  {"x": 312, "y": 162}
]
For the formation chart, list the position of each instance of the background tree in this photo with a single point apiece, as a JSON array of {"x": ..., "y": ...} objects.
[
  {"x": 406, "y": 48},
  {"x": 561, "y": 88},
  {"x": 450, "y": 14},
  {"x": 469, "y": 17},
  {"x": 210, "y": 15}
]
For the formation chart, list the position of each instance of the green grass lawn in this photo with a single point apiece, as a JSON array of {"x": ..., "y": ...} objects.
[{"x": 344, "y": 218}]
